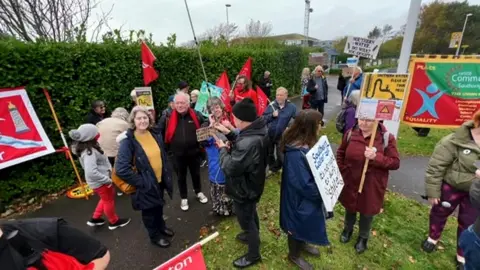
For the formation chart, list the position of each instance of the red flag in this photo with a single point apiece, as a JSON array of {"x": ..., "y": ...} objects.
[
  {"x": 223, "y": 83},
  {"x": 247, "y": 69},
  {"x": 262, "y": 101},
  {"x": 189, "y": 259},
  {"x": 149, "y": 73}
]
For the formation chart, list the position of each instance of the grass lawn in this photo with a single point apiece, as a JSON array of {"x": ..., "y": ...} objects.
[
  {"x": 394, "y": 244},
  {"x": 409, "y": 144}
]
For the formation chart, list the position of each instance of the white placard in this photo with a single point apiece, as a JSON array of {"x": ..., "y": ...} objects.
[
  {"x": 325, "y": 170},
  {"x": 362, "y": 47}
]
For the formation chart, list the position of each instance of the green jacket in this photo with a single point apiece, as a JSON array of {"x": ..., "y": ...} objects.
[{"x": 452, "y": 161}]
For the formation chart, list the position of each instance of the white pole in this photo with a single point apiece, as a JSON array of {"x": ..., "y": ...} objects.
[
  {"x": 412, "y": 19},
  {"x": 463, "y": 32}
]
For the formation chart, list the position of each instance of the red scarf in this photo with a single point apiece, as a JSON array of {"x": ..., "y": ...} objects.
[
  {"x": 173, "y": 122},
  {"x": 59, "y": 261}
]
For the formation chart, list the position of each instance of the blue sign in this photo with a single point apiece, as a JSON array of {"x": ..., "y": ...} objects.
[{"x": 352, "y": 61}]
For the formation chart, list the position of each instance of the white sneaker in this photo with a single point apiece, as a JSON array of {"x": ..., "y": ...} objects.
[
  {"x": 184, "y": 205},
  {"x": 202, "y": 198}
]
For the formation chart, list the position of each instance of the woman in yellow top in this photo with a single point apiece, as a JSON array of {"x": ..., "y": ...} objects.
[{"x": 141, "y": 162}]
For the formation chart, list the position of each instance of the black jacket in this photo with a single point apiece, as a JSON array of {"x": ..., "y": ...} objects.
[
  {"x": 263, "y": 85},
  {"x": 342, "y": 82},
  {"x": 244, "y": 166},
  {"x": 39, "y": 234},
  {"x": 313, "y": 91},
  {"x": 184, "y": 141},
  {"x": 94, "y": 118}
]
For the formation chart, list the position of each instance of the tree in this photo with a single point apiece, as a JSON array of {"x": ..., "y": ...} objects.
[
  {"x": 65, "y": 20},
  {"x": 172, "y": 40},
  {"x": 339, "y": 44},
  {"x": 222, "y": 31},
  {"x": 386, "y": 31},
  {"x": 258, "y": 29},
  {"x": 375, "y": 33}
]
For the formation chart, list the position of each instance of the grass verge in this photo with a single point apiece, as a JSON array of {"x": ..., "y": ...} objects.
[
  {"x": 409, "y": 144},
  {"x": 394, "y": 244}
]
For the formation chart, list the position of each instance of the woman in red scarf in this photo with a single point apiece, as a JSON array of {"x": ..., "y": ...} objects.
[{"x": 243, "y": 89}]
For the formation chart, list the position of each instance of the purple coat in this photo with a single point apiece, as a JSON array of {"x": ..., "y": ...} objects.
[{"x": 350, "y": 120}]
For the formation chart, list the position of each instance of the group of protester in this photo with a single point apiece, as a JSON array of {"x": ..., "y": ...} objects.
[{"x": 144, "y": 152}]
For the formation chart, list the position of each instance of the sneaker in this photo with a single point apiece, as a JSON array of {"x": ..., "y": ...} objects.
[
  {"x": 202, "y": 198},
  {"x": 95, "y": 222},
  {"x": 119, "y": 194},
  {"x": 184, "y": 205},
  {"x": 121, "y": 222},
  {"x": 428, "y": 246},
  {"x": 203, "y": 163}
]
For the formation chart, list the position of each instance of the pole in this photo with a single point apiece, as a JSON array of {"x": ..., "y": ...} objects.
[
  {"x": 365, "y": 166},
  {"x": 67, "y": 151},
  {"x": 463, "y": 32},
  {"x": 196, "y": 42},
  {"x": 228, "y": 23},
  {"x": 414, "y": 11}
]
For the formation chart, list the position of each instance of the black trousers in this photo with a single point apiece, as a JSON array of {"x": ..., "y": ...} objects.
[
  {"x": 275, "y": 156},
  {"x": 154, "y": 222},
  {"x": 247, "y": 217},
  {"x": 318, "y": 105},
  {"x": 365, "y": 224},
  {"x": 191, "y": 163}
]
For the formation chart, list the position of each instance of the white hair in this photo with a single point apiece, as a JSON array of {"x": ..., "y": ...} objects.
[
  {"x": 195, "y": 92},
  {"x": 181, "y": 94},
  {"x": 282, "y": 89},
  {"x": 354, "y": 97},
  {"x": 359, "y": 69}
]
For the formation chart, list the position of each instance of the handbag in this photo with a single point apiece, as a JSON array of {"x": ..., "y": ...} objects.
[{"x": 121, "y": 184}]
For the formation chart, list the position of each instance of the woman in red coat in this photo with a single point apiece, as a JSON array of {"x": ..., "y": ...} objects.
[
  {"x": 243, "y": 89},
  {"x": 351, "y": 156}
]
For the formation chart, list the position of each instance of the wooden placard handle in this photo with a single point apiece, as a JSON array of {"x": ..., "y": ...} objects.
[{"x": 365, "y": 166}]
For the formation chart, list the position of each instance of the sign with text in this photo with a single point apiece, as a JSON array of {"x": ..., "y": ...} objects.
[
  {"x": 144, "y": 97},
  {"x": 326, "y": 173},
  {"x": 455, "y": 39},
  {"x": 382, "y": 96},
  {"x": 362, "y": 47},
  {"x": 204, "y": 133},
  {"x": 22, "y": 137},
  {"x": 190, "y": 259},
  {"x": 444, "y": 91}
]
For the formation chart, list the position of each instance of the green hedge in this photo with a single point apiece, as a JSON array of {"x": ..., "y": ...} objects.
[{"x": 76, "y": 74}]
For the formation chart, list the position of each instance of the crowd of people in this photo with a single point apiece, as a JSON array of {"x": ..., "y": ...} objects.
[{"x": 243, "y": 148}]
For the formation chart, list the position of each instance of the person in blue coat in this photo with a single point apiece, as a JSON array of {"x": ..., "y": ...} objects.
[
  {"x": 355, "y": 83},
  {"x": 301, "y": 207},
  {"x": 142, "y": 162}
]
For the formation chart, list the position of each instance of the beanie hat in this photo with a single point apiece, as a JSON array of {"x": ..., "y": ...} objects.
[
  {"x": 171, "y": 98},
  {"x": 84, "y": 133},
  {"x": 182, "y": 85},
  {"x": 245, "y": 110}
]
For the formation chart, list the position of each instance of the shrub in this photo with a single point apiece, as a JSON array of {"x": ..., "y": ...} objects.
[{"x": 77, "y": 73}]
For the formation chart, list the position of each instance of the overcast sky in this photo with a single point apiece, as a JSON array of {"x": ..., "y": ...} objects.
[{"x": 328, "y": 21}]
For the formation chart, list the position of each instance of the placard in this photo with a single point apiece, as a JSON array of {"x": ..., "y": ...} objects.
[
  {"x": 204, "y": 133},
  {"x": 362, "y": 47},
  {"x": 455, "y": 39},
  {"x": 325, "y": 170},
  {"x": 207, "y": 91},
  {"x": 382, "y": 96},
  {"x": 144, "y": 97},
  {"x": 444, "y": 91}
]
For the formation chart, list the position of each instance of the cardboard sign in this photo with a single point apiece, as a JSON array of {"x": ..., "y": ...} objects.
[
  {"x": 144, "y": 97},
  {"x": 190, "y": 259},
  {"x": 204, "y": 133},
  {"x": 362, "y": 47},
  {"x": 382, "y": 96},
  {"x": 22, "y": 136},
  {"x": 326, "y": 173},
  {"x": 455, "y": 39}
]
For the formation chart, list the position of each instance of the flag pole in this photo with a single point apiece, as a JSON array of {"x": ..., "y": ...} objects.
[
  {"x": 197, "y": 44},
  {"x": 67, "y": 149}
]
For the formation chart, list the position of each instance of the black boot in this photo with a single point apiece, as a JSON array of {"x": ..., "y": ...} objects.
[
  {"x": 294, "y": 248},
  {"x": 346, "y": 236},
  {"x": 361, "y": 245}
]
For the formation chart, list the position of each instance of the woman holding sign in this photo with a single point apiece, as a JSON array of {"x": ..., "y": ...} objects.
[
  {"x": 301, "y": 206},
  {"x": 351, "y": 157}
]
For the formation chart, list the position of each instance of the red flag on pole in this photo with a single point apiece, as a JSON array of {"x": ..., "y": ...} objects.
[
  {"x": 149, "y": 73},
  {"x": 225, "y": 85},
  {"x": 247, "y": 69},
  {"x": 262, "y": 101}
]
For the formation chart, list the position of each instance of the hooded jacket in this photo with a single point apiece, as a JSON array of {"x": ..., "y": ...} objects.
[
  {"x": 452, "y": 161},
  {"x": 245, "y": 165}
]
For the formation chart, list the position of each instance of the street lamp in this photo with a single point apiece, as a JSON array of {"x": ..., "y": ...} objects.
[
  {"x": 463, "y": 31},
  {"x": 228, "y": 24}
]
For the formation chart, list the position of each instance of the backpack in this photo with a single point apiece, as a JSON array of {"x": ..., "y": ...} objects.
[
  {"x": 340, "y": 119},
  {"x": 386, "y": 136}
]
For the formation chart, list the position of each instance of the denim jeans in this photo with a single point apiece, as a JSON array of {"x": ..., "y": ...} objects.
[{"x": 470, "y": 244}]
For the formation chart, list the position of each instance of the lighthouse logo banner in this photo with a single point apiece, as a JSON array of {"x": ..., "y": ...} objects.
[{"x": 22, "y": 137}]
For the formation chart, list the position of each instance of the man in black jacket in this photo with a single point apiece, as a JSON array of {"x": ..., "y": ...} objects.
[
  {"x": 245, "y": 170},
  {"x": 265, "y": 83}
]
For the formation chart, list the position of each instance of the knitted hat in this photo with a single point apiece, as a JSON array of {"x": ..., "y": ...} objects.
[
  {"x": 171, "y": 98},
  {"x": 245, "y": 110},
  {"x": 182, "y": 85},
  {"x": 84, "y": 133}
]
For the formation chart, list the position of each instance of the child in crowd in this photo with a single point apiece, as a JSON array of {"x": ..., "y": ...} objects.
[{"x": 97, "y": 174}]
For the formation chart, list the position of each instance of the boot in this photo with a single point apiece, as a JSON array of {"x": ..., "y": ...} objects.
[
  {"x": 361, "y": 245},
  {"x": 294, "y": 248},
  {"x": 346, "y": 236}
]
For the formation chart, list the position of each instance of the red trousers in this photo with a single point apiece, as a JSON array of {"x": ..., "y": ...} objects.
[{"x": 106, "y": 205}]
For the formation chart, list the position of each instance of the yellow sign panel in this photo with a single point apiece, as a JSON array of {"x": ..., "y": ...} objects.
[
  {"x": 144, "y": 97},
  {"x": 455, "y": 39},
  {"x": 384, "y": 86}
]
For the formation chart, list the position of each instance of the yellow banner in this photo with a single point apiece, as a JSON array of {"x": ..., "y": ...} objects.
[
  {"x": 384, "y": 86},
  {"x": 144, "y": 97}
]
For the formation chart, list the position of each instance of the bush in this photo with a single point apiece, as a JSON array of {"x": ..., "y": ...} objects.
[{"x": 77, "y": 73}]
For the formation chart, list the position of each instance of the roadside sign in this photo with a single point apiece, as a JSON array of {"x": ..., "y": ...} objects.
[
  {"x": 455, "y": 39},
  {"x": 352, "y": 61},
  {"x": 382, "y": 96},
  {"x": 362, "y": 47}
]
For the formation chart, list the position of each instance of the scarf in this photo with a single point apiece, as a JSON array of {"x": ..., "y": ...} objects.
[{"x": 173, "y": 122}]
